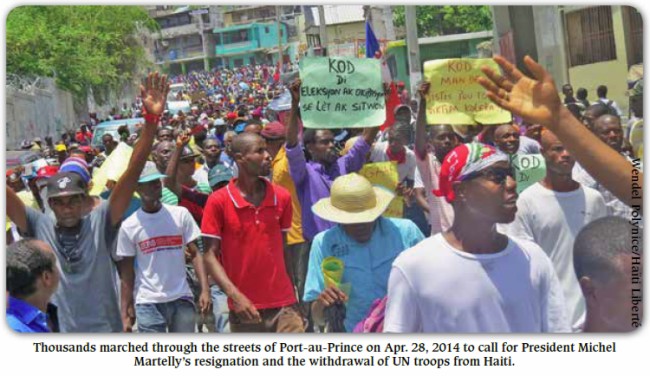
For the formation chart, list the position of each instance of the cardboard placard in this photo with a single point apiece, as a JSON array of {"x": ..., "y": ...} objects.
[
  {"x": 385, "y": 174},
  {"x": 456, "y": 98},
  {"x": 340, "y": 92}
]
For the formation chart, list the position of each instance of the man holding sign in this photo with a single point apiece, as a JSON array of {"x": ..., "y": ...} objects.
[{"x": 313, "y": 178}]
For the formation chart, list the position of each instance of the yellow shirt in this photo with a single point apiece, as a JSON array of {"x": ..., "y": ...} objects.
[{"x": 281, "y": 177}]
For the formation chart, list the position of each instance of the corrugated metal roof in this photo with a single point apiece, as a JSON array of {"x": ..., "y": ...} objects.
[{"x": 339, "y": 14}]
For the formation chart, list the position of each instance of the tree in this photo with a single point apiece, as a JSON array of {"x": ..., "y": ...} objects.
[
  {"x": 85, "y": 48},
  {"x": 445, "y": 20}
]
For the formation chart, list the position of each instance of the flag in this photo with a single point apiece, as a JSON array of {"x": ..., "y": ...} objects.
[
  {"x": 372, "y": 45},
  {"x": 391, "y": 103}
]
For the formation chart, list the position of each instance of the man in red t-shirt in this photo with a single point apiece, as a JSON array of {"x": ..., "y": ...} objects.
[
  {"x": 83, "y": 135},
  {"x": 243, "y": 227}
]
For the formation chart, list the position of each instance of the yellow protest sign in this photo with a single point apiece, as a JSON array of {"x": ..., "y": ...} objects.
[
  {"x": 112, "y": 168},
  {"x": 456, "y": 98},
  {"x": 385, "y": 174}
]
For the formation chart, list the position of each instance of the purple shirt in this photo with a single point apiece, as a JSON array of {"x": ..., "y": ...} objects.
[{"x": 313, "y": 181}]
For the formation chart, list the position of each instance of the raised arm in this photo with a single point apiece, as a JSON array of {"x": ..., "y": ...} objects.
[
  {"x": 292, "y": 128},
  {"x": 154, "y": 95},
  {"x": 537, "y": 101},
  {"x": 171, "y": 181},
  {"x": 16, "y": 210},
  {"x": 421, "y": 122}
]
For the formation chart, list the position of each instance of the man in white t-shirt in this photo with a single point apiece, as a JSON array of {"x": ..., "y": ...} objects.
[
  {"x": 472, "y": 278},
  {"x": 608, "y": 128},
  {"x": 156, "y": 236},
  {"x": 552, "y": 212}
]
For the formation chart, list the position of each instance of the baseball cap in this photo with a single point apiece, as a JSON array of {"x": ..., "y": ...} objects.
[
  {"x": 218, "y": 174},
  {"x": 60, "y": 147},
  {"x": 150, "y": 173},
  {"x": 65, "y": 184},
  {"x": 188, "y": 152},
  {"x": 44, "y": 173}
]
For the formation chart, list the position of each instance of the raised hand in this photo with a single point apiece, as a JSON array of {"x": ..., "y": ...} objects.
[
  {"x": 294, "y": 89},
  {"x": 423, "y": 89},
  {"x": 536, "y": 99},
  {"x": 154, "y": 93},
  {"x": 182, "y": 139}
]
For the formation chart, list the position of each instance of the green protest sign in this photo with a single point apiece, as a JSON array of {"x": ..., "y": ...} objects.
[
  {"x": 340, "y": 92},
  {"x": 529, "y": 169},
  {"x": 456, "y": 98}
]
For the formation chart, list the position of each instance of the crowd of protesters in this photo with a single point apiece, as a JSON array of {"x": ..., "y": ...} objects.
[{"x": 233, "y": 218}]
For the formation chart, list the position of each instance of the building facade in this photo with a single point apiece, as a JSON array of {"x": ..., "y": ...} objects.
[{"x": 585, "y": 46}]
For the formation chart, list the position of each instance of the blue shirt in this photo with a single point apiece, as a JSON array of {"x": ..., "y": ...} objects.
[
  {"x": 23, "y": 317},
  {"x": 366, "y": 266}
]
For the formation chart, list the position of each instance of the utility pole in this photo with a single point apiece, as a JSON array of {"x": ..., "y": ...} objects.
[
  {"x": 199, "y": 13},
  {"x": 413, "y": 48},
  {"x": 388, "y": 19},
  {"x": 323, "y": 30},
  {"x": 278, "y": 9}
]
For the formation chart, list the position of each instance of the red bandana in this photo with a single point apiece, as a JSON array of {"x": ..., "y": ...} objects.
[{"x": 400, "y": 157}]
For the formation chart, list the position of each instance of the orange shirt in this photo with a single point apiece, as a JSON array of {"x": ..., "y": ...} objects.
[{"x": 281, "y": 177}]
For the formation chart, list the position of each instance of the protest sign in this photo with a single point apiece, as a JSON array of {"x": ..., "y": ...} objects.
[
  {"x": 341, "y": 92},
  {"x": 112, "y": 168},
  {"x": 385, "y": 174},
  {"x": 529, "y": 169},
  {"x": 456, "y": 98}
]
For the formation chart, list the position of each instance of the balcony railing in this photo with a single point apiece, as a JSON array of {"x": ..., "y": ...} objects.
[
  {"x": 174, "y": 54},
  {"x": 237, "y": 47}
]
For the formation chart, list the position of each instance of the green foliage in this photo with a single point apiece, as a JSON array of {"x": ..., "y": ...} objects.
[
  {"x": 84, "y": 47},
  {"x": 445, "y": 20}
]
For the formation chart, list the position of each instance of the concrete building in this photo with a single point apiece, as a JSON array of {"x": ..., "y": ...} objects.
[
  {"x": 253, "y": 43},
  {"x": 346, "y": 28},
  {"x": 185, "y": 40},
  {"x": 585, "y": 46},
  {"x": 262, "y": 47}
]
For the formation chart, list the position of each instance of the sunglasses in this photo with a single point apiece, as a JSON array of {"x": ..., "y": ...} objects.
[{"x": 498, "y": 175}]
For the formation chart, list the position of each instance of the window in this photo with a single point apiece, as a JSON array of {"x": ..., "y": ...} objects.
[
  {"x": 634, "y": 35},
  {"x": 266, "y": 29},
  {"x": 590, "y": 36}
]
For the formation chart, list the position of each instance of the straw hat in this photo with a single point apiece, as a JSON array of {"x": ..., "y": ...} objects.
[{"x": 353, "y": 200}]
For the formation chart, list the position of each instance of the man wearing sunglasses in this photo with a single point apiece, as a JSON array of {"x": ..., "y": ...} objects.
[
  {"x": 552, "y": 212},
  {"x": 472, "y": 278}
]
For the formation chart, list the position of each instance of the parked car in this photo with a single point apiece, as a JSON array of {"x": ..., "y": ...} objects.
[
  {"x": 173, "y": 104},
  {"x": 17, "y": 158},
  {"x": 110, "y": 127}
]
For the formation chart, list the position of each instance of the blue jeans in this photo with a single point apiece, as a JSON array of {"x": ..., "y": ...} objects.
[
  {"x": 176, "y": 316},
  {"x": 220, "y": 310}
]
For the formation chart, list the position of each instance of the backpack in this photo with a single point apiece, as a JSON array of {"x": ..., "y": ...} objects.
[{"x": 374, "y": 321}]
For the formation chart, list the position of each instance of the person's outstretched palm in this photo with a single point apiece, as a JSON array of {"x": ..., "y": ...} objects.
[
  {"x": 535, "y": 100},
  {"x": 154, "y": 93}
]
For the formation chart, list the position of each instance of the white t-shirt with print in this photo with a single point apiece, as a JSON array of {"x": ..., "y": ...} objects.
[
  {"x": 434, "y": 287},
  {"x": 157, "y": 241},
  {"x": 553, "y": 220}
]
